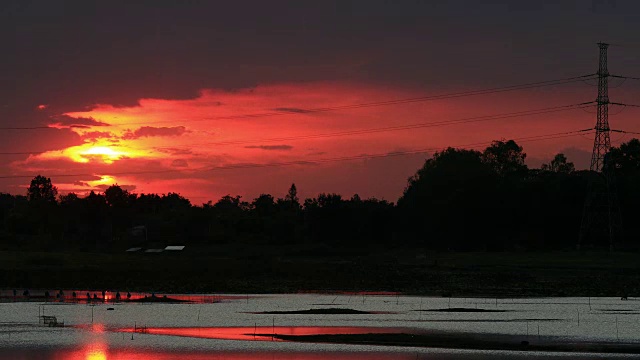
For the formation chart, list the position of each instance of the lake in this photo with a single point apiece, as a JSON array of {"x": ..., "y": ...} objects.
[{"x": 222, "y": 326}]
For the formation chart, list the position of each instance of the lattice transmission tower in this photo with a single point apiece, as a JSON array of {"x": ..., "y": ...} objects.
[{"x": 601, "y": 214}]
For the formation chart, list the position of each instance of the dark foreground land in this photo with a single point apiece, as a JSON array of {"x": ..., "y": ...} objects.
[
  {"x": 467, "y": 341},
  {"x": 262, "y": 271}
]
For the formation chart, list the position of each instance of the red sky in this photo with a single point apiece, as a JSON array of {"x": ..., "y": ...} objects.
[
  {"x": 174, "y": 144},
  {"x": 164, "y": 99}
]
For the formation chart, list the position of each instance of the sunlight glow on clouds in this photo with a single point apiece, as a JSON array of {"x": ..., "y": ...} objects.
[{"x": 170, "y": 144}]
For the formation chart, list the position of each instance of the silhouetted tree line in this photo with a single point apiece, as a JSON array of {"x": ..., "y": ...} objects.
[{"x": 460, "y": 200}]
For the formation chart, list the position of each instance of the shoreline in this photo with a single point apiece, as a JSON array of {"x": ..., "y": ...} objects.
[
  {"x": 471, "y": 342},
  {"x": 460, "y": 341},
  {"x": 482, "y": 275}
]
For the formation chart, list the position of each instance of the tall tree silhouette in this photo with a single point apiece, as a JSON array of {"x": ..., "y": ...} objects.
[
  {"x": 41, "y": 190},
  {"x": 559, "y": 164},
  {"x": 445, "y": 203},
  {"x": 292, "y": 195},
  {"x": 505, "y": 158}
]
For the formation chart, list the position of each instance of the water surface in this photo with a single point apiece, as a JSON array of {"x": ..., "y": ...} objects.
[{"x": 235, "y": 327}]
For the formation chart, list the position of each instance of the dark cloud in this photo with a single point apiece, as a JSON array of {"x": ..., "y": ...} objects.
[
  {"x": 92, "y": 158},
  {"x": 37, "y": 141},
  {"x": 72, "y": 122},
  {"x": 292, "y": 110},
  {"x": 317, "y": 153},
  {"x": 366, "y": 40},
  {"x": 95, "y": 135},
  {"x": 63, "y": 170},
  {"x": 150, "y": 131},
  {"x": 127, "y": 56},
  {"x": 270, "y": 147},
  {"x": 179, "y": 163},
  {"x": 175, "y": 151}
]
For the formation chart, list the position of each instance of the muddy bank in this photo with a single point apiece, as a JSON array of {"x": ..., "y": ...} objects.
[
  {"x": 467, "y": 342},
  {"x": 334, "y": 311}
]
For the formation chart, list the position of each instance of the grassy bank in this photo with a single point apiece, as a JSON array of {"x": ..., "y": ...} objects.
[{"x": 262, "y": 271}]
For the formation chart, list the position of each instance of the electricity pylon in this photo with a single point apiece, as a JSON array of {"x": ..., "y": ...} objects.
[{"x": 601, "y": 213}]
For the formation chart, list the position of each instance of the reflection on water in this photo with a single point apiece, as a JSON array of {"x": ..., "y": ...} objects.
[
  {"x": 120, "y": 354},
  {"x": 108, "y": 296},
  {"x": 96, "y": 351},
  {"x": 202, "y": 328},
  {"x": 262, "y": 333}
]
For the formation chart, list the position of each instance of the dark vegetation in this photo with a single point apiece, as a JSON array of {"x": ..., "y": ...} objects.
[
  {"x": 460, "y": 201},
  {"x": 463, "y": 310},
  {"x": 332, "y": 311},
  {"x": 157, "y": 299}
]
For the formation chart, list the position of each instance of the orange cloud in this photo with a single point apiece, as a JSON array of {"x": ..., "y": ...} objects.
[
  {"x": 270, "y": 147},
  {"x": 194, "y": 146},
  {"x": 150, "y": 131}
]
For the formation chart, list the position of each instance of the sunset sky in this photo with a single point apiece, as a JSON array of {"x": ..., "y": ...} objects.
[{"x": 209, "y": 98}]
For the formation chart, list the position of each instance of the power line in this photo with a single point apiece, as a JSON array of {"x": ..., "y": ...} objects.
[
  {"x": 371, "y": 130},
  {"x": 28, "y": 128},
  {"x": 294, "y": 111},
  {"x": 625, "y": 77},
  {"x": 626, "y": 132},
  {"x": 621, "y": 104},
  {"x": 318, "y": 161},
  {"x": 399, "y": 127}
]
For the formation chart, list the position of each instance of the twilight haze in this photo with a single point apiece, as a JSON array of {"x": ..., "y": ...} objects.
[{"x": 211, "y": 98}]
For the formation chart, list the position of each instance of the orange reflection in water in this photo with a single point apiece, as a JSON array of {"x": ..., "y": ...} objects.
[
  {"x": 96, "y": 354},
  {"x": 92, "y": 351},
  {"x": 115, "y": 296},
  {"x": 261, "y": 333},
  {"x": 98, "y": 349},
  {"x": 139, "y": 354}
]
